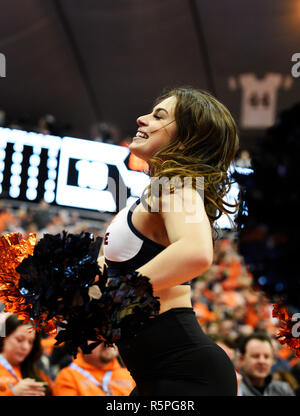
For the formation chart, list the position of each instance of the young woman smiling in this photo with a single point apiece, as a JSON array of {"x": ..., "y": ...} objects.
[{"x": 188, "y": 134}]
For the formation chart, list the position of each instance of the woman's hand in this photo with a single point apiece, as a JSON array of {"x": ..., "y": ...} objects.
[
  {"x": 101, "y": 262},
  {"x": 29, "y": 387}
]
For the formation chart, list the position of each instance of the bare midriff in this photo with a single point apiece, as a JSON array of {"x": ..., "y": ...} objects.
[{"x": 174, "y": 297}]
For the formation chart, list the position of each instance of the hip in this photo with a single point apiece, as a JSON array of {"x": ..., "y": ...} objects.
[
  {"x": 173, "y": 354},
  {"x": 171, "y": 340}
]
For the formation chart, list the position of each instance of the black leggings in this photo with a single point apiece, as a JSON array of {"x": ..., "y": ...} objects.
[{"x": 171, "y": 355}]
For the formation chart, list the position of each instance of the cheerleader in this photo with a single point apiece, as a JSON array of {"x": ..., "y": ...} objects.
[{"x": 167, "y": 235}]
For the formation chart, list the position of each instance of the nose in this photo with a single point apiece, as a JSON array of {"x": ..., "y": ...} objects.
[
  {"x": 262, "y": 359},
  {"x": 26, "y": 346},
  {"x": 142, "y": 121}
]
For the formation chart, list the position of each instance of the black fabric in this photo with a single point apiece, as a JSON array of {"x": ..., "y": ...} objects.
[{"x": 173, "y": 356}]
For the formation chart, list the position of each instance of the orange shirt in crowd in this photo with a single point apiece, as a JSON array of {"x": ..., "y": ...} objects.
[
  {"x": 233, "y": 270},
  {"x": 5, "y": 217},
  {"x": 203, "y": 313},
  {"x": 285, "y": 353},
  {"x": 48, "y": 344},
  {"x": 252, "y": 317},
  {"x": 7, "y": 379},
  {"x": 232, "y": 298},
  {"x": 257, "y": 312},
  {"x": 71, "y": 382}
]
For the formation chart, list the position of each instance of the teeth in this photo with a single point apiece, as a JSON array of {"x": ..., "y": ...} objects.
[{"x": 142, "y": 135}]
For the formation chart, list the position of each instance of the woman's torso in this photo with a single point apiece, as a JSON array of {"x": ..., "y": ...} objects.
[{"x": 151, "y": 227}]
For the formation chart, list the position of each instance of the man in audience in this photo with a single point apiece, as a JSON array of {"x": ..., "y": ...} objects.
[
  {"x": 42, "y": 216},
  {"x": 255, "y": 363},
  {"x": 95, "y": 374}
]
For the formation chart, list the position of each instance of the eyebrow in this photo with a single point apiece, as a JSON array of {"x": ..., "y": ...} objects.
[{"x": 160, "y": 109}]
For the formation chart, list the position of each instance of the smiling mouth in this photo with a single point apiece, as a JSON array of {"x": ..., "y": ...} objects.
[
  {"x": 141, "y": 135},
  {"x": 261, "y": 369}
]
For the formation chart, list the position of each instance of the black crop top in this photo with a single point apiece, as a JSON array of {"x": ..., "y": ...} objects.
[{"x": 125, "y": 248}]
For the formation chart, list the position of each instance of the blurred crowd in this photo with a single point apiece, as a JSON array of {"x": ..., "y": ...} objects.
[
  {"x": 45, "y": 124},
  {"x": 41, "y": 220},
  {"x": 228, "y": 306},
  {"x": 102, "y": 131}
]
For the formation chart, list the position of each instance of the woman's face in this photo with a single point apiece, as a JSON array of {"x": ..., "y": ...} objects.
[
  {"x": 155, "y": 130},
  {"x": 18, "y": 345}
]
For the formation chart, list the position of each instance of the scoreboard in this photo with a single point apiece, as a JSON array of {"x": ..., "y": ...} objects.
[{"x": 67, "y": 171}]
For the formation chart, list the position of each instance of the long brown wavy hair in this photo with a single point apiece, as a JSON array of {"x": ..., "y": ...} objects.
[{"x": 206, "y": 144}]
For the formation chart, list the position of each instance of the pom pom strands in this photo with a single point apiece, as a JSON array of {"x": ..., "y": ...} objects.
[
  {"x": 125, "y": 306},
  {"x": 289, "y": 332},
  {"x": 56, "y": 285},
  {"x": 13, "y": 249},
  {"x": 41, "y": 283},
  {"x": 57, "y": 276}
]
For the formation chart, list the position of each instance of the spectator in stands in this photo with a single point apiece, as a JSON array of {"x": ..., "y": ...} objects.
[
  {"x": 42, "y": 217},
  {"x": 45, "y": 124},
  {"x": 244, "y": 159},
  {"x": 295, "y": 370},
  {"x": 6, "y": 218},
  {"x": 20, "y": 352},
  {"x": 95, "y": 374},
  {"x": 287, "y": 376},
  {"x": 281, "y": 355},
  {"x": 59, "y": 358},
  {"x": 24, "y": 215},
  {"x": 105, "y": 132},
  {"x": 255, "y": 362}
]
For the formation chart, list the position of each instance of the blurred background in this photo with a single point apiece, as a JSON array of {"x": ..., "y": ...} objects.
[
  {"x": 89, "y": 69},
  {"x": 75, "y": 76}
]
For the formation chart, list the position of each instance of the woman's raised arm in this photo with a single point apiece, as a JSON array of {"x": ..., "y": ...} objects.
[{"x": 191, "y": 250}]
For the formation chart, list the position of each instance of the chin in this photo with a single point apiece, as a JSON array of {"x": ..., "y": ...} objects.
[
  {"x": 107, "y": 358},
  {"x": 18, "y": 360},
  {"x": 262, "y": 375},
  {"x": 138, "y": 154}
]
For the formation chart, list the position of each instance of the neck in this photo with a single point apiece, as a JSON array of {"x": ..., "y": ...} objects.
[{"x": 7, "y": 359}]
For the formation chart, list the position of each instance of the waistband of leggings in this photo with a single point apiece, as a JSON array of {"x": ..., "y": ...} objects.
[
  {"x": 176, "y": 311},
  {"x": 156, "y": 322}
]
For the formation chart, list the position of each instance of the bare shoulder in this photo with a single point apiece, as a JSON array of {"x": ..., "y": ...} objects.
[
  {"x": 187, "y": 202},
  {"x": 184, "y": 216}
]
